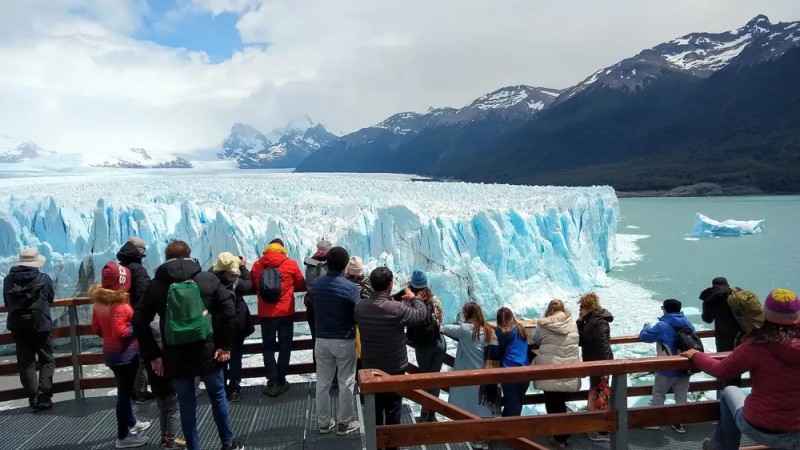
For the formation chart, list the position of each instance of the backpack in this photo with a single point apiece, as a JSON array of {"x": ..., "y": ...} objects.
[
  {"x": 426, "y": 334},
  {"x": 25, "y": 306},
  {"x": 685, "y": 339},
  {"x": 270, "y": 284},
  {"x": 187, "y": 319},
  {"x": 747, "y": 309},
  {"x": 314, "y": 269}
]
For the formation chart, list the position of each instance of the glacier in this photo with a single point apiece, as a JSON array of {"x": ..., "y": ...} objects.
[
  {"x": 707, "y": 227},
  {"x": 499, "y": 245}
]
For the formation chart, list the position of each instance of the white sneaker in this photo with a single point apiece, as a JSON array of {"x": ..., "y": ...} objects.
[
  {"x": 346, "y": 428},
  {"x": 597, "y": 437},
  {"x": 326, "y": 428},
  {"x": 139, "y": 427},
  {"x": 131, "y": 440}
]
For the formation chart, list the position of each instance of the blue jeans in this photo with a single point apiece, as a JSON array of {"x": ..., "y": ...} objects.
[
  {"x": 283, "y": 328},
  {"x": 728, "y": 433},
  {"x": 233, "y": 370},
  {"x": 187, "y": 402},
  {"x": 125, "y": 375},
  {"x": 513, "y": 397}
]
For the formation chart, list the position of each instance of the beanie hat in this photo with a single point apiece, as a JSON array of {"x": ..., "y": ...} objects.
[
  {"x": 115, "y": 277},
  {"x": 226, "y": 262},
  {"x": 418, "y": 279},
  {"x": 671, "y": 305},
  {"x": 324, "y": 245},
  {"x": 355, "y": 267},
  {"x": 276, "y": 247},
  {"x": 139, "y": 244},
  {"x": 277, "y": 241},
  {"x": 782, "y": 307},
  {"x": 719, "y": 281}
]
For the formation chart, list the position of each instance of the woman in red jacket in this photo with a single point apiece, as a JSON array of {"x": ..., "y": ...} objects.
[
  {"x": 769, "y": 415},
  {"x": 111, "y": 320}
]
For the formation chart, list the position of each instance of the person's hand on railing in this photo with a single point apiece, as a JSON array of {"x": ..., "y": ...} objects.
[
  {"x": 222, "y": 355},
  {"x": 689, "y": 354},
  {"x": 158, "y": 366}
]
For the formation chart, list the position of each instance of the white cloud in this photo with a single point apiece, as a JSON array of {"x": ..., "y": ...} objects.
[{"x": 72, "y": 78}]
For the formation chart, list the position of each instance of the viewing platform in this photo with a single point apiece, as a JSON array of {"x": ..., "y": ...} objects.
[{"x": 289, "y": 421}]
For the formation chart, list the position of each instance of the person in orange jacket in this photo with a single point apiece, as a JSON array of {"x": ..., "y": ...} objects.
[{"x": 277, "y": 318}]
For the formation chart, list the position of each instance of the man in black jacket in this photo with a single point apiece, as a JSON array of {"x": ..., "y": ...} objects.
[
  {"x": 204, "y": 359},
  {"x": 381, "y": 322},
  {"x": 130, "y": 256},
  {"x": 30, "y": 325},
  {"x": 716, "y": 310}
]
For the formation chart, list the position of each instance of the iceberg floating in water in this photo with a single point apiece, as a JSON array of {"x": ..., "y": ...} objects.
[
  {"x": 704, "y": 226},
  {"x": 496, "y": 244}
]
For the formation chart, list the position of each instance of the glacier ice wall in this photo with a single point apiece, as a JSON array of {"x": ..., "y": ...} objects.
[{"x": 497, "y": 244}]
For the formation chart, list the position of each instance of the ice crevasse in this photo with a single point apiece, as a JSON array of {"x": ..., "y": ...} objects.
[{"x": 499, "y": 245}]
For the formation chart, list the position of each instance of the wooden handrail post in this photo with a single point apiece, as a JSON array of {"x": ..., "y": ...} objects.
[
  {"x": 619, "y": 402},
  {"x": 370, "y": 432},
  {"x": 75, "y": 348}
]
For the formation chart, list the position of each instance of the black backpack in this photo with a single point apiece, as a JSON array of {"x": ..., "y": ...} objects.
[
  {"x": 269, "y": 285},
  {"x": 24, "y": 304},
  {"x": 686, "y": 339},
  {"x": 426, "y": 334}
]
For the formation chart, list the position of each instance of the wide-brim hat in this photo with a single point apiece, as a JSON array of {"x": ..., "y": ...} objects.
[{"x": 30, "y": 257}]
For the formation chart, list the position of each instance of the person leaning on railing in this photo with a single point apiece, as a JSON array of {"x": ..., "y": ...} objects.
[{"x": 769, "y": 415}]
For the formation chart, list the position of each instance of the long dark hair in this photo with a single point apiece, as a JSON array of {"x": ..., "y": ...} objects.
[
  {"x": 474, "y": 314},
  {"x": 777, "y": 333},
  {"x": 507, "y": 322}
]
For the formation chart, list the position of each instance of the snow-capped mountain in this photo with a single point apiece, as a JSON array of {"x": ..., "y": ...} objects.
[
  {"x": 513, "y": 102},
  {"x": 137, "y": 158},
  {"x": 13, "y": 151},
  {"x": 282, "y": 147},
  {"x": 410, "y": 122},
  {"x": 696, "y": 54}
]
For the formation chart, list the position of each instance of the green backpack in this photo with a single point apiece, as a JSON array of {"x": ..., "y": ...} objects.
[
  {"x": 187, "y": 319},
  {"x": 747, "y": 309}
]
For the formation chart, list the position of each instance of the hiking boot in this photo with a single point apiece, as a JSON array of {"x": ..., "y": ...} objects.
[
  {"x": 326, "y": 428},
  {"x": 131, "y": 440},
  {"x": 143, "y": 398},
  {"x": 597, "y": 437},
  {"x": 235, "y": 395},
  {"x": 346, "y": 428},
  {"x": 281, "y": 388},
  {"x": 679, "y": 428},
  {"x": 171, "y": 442},
  {"x": 269, "y": 389},
  {"x": 139, "y": 427},
  {"x": 233, "y": 446}
]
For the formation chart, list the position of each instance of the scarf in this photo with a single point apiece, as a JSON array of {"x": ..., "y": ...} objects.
[{"x": 491, "y": 395}]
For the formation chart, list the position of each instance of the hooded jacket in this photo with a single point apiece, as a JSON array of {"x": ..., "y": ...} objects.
[
  {"x": 24, "y": 275},
  {"x": 595, "y": 335},
  {"x": 557, "y": 338},
  {"x": 197, "y": 358},
  {"x": 112, "y": 316},
  {"x": 291, "y": 281},
  {"x": 773, "y": 403},
  {"x": 381, "y": 323},
  {"x": 717, "y": 311},
  {"x": 665, "y": 333},
  {"x": 130, "y": 258},
  {"x": 240, "y": 285}
]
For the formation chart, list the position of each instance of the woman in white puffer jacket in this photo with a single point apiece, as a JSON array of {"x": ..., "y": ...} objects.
[{"x": 556, "y": 335}]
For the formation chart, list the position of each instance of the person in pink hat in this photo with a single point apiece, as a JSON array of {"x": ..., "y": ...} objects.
[{"x": 769, "y": 414}]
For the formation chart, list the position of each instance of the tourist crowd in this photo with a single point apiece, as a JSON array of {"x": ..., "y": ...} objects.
[{"x": 187, "y": 325}]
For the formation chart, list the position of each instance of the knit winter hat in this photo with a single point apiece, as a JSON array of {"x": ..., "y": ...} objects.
[
  {"x": 782, "y": 307},
  {"x": 276, "y": 247},
  {"x": 355, "y": 267},
  {"x": 139, "y": 244},
  {"x": 226, "y": 262},
  {"x": 115, "y": 277},
  {"x": 418, "y": 279},
  {"x": 324, "y": 245},
  {"x": 671, "y": 305},
  {"x": 719, "y": 281}
]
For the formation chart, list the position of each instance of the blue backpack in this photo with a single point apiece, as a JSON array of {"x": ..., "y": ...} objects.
[{"x": 269, "y": 286}]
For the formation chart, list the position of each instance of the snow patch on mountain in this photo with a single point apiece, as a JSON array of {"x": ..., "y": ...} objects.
[
  {"x": 253, "y": 150},
  {"x": 136, "y": 158}
]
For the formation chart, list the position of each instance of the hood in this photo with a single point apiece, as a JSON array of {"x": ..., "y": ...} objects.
[
  {"x": 177, "y": 270},
  {"x": 105, "y": 296},
  {"x": 676, "y": 320},
  {"x": 226, "y": 278},
  {"x": 558, "y": 323},
  {"x": 129, "y": 254},
  {"x": 23, "y": 274},
  {"x": 788, "y": 354},
  {"x": 272, "y": 259},
  {"x": 604, "y": 314},
  {"x": 715, "y": 293}
]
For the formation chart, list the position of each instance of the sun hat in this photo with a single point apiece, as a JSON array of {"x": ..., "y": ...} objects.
[
  {"x": 226, "y": 262},
  {"x": 30, "y": 257}
]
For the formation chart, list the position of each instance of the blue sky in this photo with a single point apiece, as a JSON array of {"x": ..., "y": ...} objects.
[{"x": 168, "y": 24}]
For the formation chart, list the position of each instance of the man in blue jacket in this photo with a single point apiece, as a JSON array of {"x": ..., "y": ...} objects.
[
  {"x": 665, "y": 334},
  {"x": 334, "y": 299}
]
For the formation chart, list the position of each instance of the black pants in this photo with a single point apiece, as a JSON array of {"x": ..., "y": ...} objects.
[
  {"x": 126, "y": 377},
  {"x": 556, "y": 403},
  {"x": 35, "y": 350},
  {"x": 387, "y": 410},
  {"x": 513, "y": 398}
]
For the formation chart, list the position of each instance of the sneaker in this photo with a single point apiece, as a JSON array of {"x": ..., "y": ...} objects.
[
  {"x": 42, "y": 405},
  {"x": 679, "y": 428},
  {"x": 326, "y": 428},
  {"x": 651, "y": 428},
  {"x": 140, "y": 426},
  {"x": 281, "y": 388},
  {"x": 597, "y": 437},
  {"x": 707, "y": 444},
  {"x": 172, "y": 442},
  {"x": 480, "y": 445},
  {"x": 233, "y": 446},
  {"x": 143, "y": 398},
  {"x": 346, "y": 428},
  {"x": 269, "y": 389},
  {"x": 235, "y": 395},
  {"x": 131, "y": 440}
]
